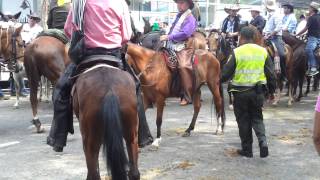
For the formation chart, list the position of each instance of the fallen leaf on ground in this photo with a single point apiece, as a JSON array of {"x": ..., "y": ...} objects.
[
  {"x": 185, "y": 165},
  {"x": 231, "y": 152}
]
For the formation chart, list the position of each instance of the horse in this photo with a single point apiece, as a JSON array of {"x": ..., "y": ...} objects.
[
  {"x": 299, "y": 63},
  {"x": 12, "y": 49},
  {"x": 45, "y": 56},
  {"x": 158, "y": 82},
  {"x": 105, "y": 103},
  {"x": 221, "y": 48}
]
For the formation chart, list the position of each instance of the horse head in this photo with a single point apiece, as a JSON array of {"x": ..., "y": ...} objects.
[{"x": 12, "y": 46}]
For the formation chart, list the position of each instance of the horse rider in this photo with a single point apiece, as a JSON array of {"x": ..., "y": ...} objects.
[
  {"x": 231, "y": 24},
  {"x": 289, "y": 20},
  {"x": 313, "y": 28},
  {"x": 302, "y": 23},
  {"x": 182, "y": 28},
  {"x": 273, "y": 32},
  {"x": 107, "y": 27},
  {"x": 250, "y": 69},
  {"x": 58, "y": 13},
  {"x": 258, "y": 21},
  {"x": 31, "y": 29}
]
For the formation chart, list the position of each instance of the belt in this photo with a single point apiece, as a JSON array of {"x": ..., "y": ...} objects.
[{"x": 103, "y": 51}]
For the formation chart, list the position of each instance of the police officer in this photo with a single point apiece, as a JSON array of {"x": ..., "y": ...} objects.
[
  {"x": 250, "y": 69},
  {"x": 58, "y": 13}
]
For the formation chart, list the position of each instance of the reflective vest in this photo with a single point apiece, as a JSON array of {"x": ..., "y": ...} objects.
[{"x": 250, "y": 61}]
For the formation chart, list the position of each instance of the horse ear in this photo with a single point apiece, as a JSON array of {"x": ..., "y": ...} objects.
[
  {"x": 18, "y": 30},
  {"x": 16, "y": 16},
  {"x": 4, "y": 17}
]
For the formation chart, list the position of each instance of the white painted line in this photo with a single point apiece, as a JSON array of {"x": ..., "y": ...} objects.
[{"x": 9, "y": 144}]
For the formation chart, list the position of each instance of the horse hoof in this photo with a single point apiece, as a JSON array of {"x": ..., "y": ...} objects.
[
  {"x": 231, "y": 107},
  {"x": 186, "y": 134},
  {"x": 156, "y": 143},
  {"x": 40, "y": 130}
]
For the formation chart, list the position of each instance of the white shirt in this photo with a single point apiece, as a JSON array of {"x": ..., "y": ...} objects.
[
  {"x": 30, "y": 33},
  {"x": 274, "y": 23},
  {"x": 301, "y": 25}
]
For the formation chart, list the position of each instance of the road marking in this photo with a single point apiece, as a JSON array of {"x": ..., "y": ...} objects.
[{"x": 9, "y": 144}]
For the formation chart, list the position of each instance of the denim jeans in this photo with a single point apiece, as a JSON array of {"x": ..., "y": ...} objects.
[
  {"x": 1, "y": 93},
  {"x": 310, "y": 47},
  {"x": 277, "y": 40}
]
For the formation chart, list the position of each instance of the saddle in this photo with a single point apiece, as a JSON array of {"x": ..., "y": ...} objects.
[
  {"x": 94, "y": 61},
  {"x": 170, "y": 58},
  {"x": 55, "y": 33}
]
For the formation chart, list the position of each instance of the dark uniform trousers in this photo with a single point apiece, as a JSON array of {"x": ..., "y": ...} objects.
[{"x": 248, "y": 112}]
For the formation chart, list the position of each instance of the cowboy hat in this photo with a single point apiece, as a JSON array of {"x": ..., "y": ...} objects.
[
  {"x": 289, "y": 6},
  {"x": 235, "y": 7},
  {"x": 227, "y": 9},
  {"x": 315, "y": 5},
  {"x": 256, "y": 9},
  {"x": 34, "y": 16},
  {"x": 270, "y": 4},
  {"x": 189, "y": 1}
]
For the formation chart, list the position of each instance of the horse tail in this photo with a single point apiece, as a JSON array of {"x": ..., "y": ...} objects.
[
  {"x": 223, "y": 112},
  {"x": 113, "y": 146}
]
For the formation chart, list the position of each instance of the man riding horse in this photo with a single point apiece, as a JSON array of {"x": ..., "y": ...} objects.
[
  {"x": 313, "y": 28},
  {"x": 106, "y": 29},
  {"x": 182, "y": 29},
  {"x": 273, "y": 32},
  {"x": 289, "y": 20},
  {"x": 231, "y": 24},
  {"x": 257, "y": 20}
]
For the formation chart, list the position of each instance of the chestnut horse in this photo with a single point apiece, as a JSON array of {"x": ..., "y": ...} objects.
[
  {"x": 157, "y": 80},
  {"x": 45, "y": 56},
  {"x": 104, "y": 101}
]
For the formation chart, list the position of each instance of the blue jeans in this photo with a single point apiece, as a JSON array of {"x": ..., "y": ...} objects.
[
  {"x": 1, "y": 93},
  {"x": 310, "y": 47},
  {"x": 277, "y": 40}
]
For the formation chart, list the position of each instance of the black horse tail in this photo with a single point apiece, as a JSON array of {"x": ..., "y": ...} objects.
[
  {"x": 113, "y": 146},
  {"x": 223, "y": 112}
]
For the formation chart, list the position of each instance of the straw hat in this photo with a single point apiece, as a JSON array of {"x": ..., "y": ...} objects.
[
  {"x": 34, "y": 16},
  {"x": 315, "y": 5},
  {"x": 235, "y": 7},
  {"x": 270, "y": 4}
]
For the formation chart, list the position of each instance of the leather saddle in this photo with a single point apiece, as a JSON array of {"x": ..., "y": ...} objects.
[{"x": 170, "y": 57}]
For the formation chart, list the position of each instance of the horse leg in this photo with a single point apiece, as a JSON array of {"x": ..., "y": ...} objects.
[
  {"x": 308, "y": 86},
  {"x": 160, "y": 106},
  {"x": 41, "y": 90},
  {"x": 91, "y": 150},
  {"x": 290, "y": 94},
  {"x": 316, "y": 82},
  {"x": 131, "y": 137},
  {"x": 196, "y": 109},
  {"x": 18, "y": 85},
  {"x": 34, "y": 103},
  {"x": 300, "y": 88}
]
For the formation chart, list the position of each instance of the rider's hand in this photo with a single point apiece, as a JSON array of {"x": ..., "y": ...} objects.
[{"x": 164, "y": 38}]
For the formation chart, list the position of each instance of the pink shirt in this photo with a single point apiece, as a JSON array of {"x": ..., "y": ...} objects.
[
  {"x": 106, "y": 24},
  {"x": 318, "y": 105}
]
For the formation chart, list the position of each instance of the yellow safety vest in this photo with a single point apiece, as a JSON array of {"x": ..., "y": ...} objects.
[{"x": 250, "y": 61}]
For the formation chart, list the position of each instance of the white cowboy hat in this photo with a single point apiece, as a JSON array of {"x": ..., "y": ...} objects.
[
  {"x": 270, "y": 4},
  {"x": 235, "y": 7},
  {"x": 256, "y": 8},
  {"x": 315, "y": 5}
]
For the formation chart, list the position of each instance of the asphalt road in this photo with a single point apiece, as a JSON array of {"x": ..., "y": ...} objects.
[{"x": 25, "y": 155}]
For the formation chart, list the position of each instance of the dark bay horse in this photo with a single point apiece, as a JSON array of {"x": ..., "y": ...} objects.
[
  {"x": 157, "y": 80},
  {"x": 104, "y": 101},
  {"x": 45, "y": 56},
  {"x": 299, "y": 63}
]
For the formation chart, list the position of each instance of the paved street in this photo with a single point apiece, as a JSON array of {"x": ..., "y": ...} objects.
[{"x": 205, "y": 156}]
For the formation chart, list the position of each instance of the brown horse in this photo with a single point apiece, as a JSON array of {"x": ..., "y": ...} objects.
[
  {"x": 157, "y": 80},
  {"x": 12, "y": 49},
  {"x": 45, "y": 56},
  {"x": 105, "y": 103},
  {"x": 299, "y": 63}
]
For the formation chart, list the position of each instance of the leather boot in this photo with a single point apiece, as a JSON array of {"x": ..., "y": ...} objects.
[
  {"x": 186, "y": 80},
  {"x": 264, "y": 151}
]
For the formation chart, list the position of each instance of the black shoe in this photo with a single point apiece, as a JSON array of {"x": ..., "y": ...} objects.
[
  {"x": 244, "y": 153},
  {"x": 264, "y": 151},
  {"x": 57, "y": 148}
]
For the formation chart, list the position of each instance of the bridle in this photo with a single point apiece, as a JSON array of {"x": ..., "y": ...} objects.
[{"x": 12, "y": 61}]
